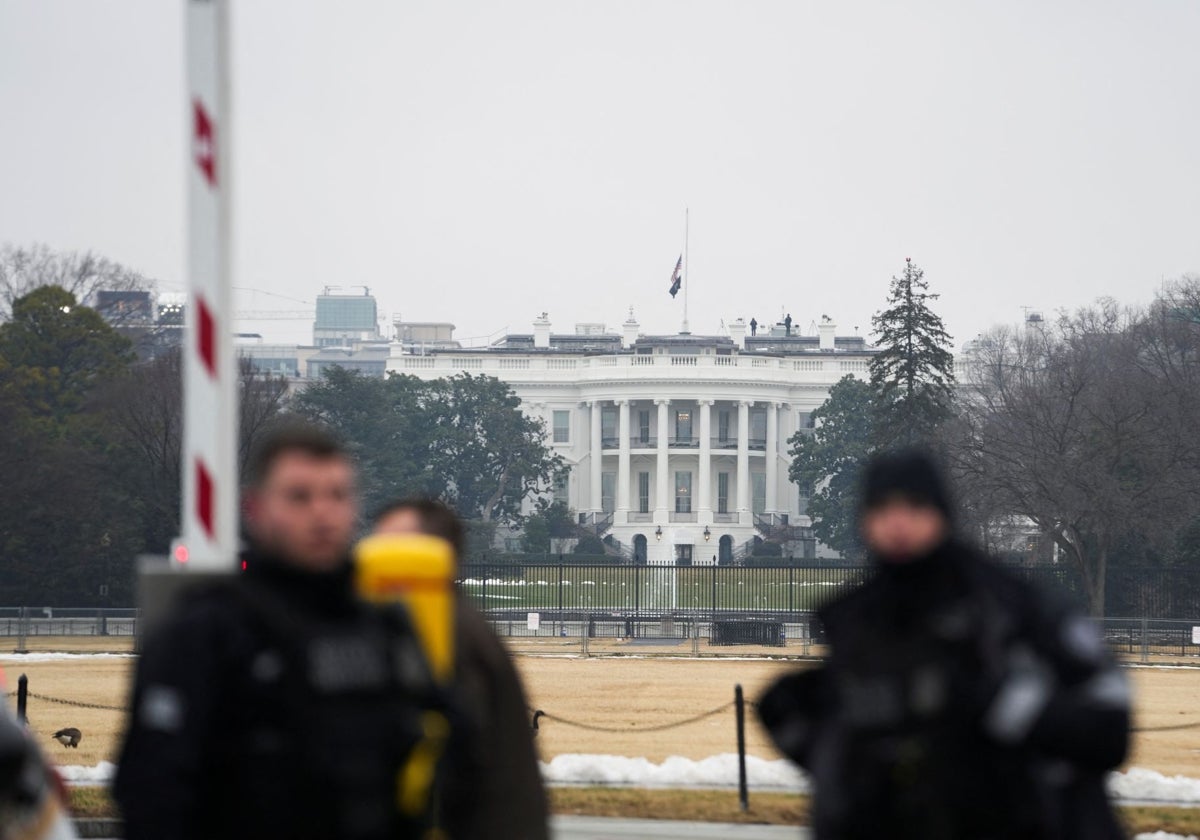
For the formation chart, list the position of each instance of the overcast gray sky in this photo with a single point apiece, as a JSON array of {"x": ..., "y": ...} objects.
[{"x": 482, "y": 162}]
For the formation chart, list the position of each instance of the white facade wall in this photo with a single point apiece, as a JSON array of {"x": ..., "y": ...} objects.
[{"x": 588, "y": 386}]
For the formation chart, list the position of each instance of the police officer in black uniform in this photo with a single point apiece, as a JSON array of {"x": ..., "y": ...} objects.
[
  {"x": 957, "y": 703},
  {"x": 278, "y": 704}
]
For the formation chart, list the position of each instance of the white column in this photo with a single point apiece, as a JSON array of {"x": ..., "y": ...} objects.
[
  {"x": 743, "y": 463},
  {"x": 704, "y": 514},
  {"x": 622, "y": 514},
  {"x": 772, "y": 454},
  {"x": 663, "y": 484},
  {"x": 597, "y": 460}
]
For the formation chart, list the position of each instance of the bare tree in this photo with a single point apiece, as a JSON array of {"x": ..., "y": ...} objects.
[
  {"x": 263, "y": 398},
  {"x": 1078, "y": 427},
  {"x": 146, "y": 412},
  {"x": 23, "y": 269}
]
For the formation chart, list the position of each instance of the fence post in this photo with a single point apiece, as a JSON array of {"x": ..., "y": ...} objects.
[
  {"x": 23, "y": 630},
  {"x": 1145, "y": 639},
  {"x": 560, "y": 588},
  {"x": 791, "y": 589},
  {"x": 739, "y": 705},
  {"x": 22, "y": 698},
  {"x": 637, "y": 590},
  {"x": 713, "y": 611}
]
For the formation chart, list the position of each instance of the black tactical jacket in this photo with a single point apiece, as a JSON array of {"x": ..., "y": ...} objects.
[
  {"x": 958, "y": 703},
  {"x": 276, "y": 705}
]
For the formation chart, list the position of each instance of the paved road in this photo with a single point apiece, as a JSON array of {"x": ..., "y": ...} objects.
[{"x": 601, "y": 828}]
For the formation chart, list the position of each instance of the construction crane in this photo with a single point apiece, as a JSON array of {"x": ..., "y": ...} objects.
[{"x": 274, "y": 315}]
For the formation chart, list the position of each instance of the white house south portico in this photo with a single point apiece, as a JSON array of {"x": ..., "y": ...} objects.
[{"x": 677, "y": 445}]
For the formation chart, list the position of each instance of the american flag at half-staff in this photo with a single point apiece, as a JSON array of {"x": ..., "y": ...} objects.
[{"x": 677, "y": 277}]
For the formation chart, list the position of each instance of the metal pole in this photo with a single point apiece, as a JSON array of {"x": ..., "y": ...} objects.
[
  {"x": 637, "y": 590},
  {"x": 209, "y": 469},
  {"x": 22, "y": 698},
  {"x": 713, "y": 594},
  {"x": 739, "y": 705},
  {"x": 686, "y": 264},
  {"x": 1145, "y": 639},
  {"x": 23, "y": 630}
]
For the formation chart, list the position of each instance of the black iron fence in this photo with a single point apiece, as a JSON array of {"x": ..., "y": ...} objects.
[
  {"x": 22, "y": 622},
  {"x": 654, "y": 590},
  {"x": 1145, "y": 592}
]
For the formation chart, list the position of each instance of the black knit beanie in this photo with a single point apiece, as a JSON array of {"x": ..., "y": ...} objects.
[{"x": 910, "y": 474}]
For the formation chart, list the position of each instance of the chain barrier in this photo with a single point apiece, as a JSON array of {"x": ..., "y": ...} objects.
[
  {"x": 75, "y": 703},
  {"x": 662, "y": 727},
  {"x": 659, "y": 727},
  {"x": 1173, "y": 728}
]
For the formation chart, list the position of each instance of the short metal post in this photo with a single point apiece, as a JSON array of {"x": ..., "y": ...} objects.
[
  {"x": 739, "y": 705},
  {"x": 1145, "y": 639},
  {"x": 23, "y": 630},
  {"x": 22, "y": 698}
]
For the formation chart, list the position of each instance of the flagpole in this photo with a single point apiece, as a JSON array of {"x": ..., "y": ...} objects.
[{"x": 686, "y": 266}]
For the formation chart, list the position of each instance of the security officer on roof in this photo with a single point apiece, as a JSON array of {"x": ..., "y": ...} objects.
[
  {"x": 957, "y": 703},
  {"x": 278, "y": 704}
]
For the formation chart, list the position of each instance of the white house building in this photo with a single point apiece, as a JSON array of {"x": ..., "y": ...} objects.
[{"x": 677, "y": 444}]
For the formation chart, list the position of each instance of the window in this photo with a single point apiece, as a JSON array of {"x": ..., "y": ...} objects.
[
  {"x": 758, "y": 426},
  {"x": 608, "y": 425},
  {"x": 683, "y": 426},
  {"x": 723, "y": 492},
  {"x": 643, "y": 492},
  {"x": 561, "y": 491},
  {"x": 683, "y": 492},
  {"x": 758, "y": 492},
  {"x": 723, "y": 427},
  {"x": 683, "y": 555},
  {"x": 562, "y": 427},
  {"x": 608, "y": 489},
  {"x": 643, "y": 426}
]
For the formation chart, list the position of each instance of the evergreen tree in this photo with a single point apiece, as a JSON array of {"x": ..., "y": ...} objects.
[
  {"x": 826, "y": 463},
  {"x": 913, "y": 372}
]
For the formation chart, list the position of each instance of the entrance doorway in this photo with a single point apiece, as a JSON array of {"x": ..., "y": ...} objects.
[
  {"x": 639, "y": 549},
  {"x": 725, "y": 550}
]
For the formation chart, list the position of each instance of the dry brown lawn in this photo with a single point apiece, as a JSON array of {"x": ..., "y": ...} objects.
[
  {"x": 98, "y": 681},
  {"x": 612, "y": 692},
  {"x": 640, "y": 692}
]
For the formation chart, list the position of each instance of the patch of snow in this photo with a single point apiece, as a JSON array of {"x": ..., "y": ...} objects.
[
  {"x": 1136, "y": 784},
  {"x": 1152, "y": 786},
  {"x": 55, "y": 657},
  {"x": 76, "y": 774},
  {"x": 1164, "y": 835},
  {"x": 714, "y": 771}
]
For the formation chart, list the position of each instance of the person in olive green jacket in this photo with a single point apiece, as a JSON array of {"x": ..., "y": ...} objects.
[{"x": 491, "y": 786}]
